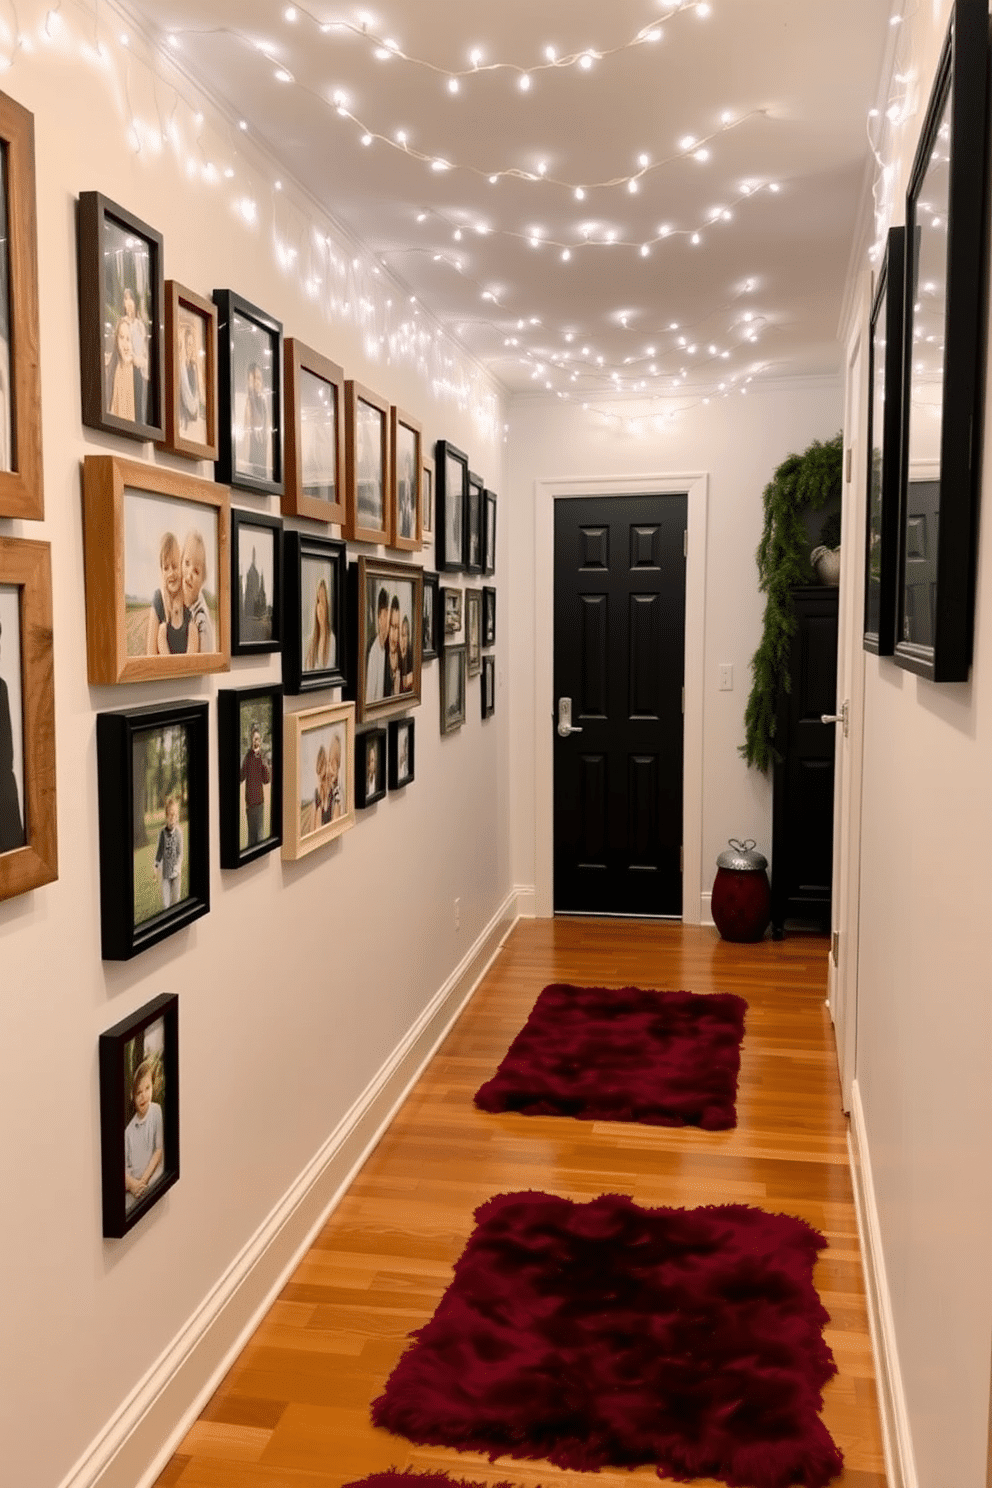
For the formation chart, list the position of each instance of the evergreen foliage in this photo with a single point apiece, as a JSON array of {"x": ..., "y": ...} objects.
[{"x": 810, "y": 480}]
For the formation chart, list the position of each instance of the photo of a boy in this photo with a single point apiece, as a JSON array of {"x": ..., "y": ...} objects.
[
  {"x": 201, "y": 627},
  {"x": 256, "y": 773},
  {"x": 144, "y": 1146},
  {"x": 168, "y": 864}
]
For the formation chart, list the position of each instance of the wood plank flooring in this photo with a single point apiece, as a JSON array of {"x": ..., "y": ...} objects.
[{"x": 293, "y": 1412}]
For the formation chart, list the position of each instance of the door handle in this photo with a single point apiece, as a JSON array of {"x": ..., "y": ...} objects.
[
  {"x": 565, "y": 725},
  {"x": 842, "y": 717}
]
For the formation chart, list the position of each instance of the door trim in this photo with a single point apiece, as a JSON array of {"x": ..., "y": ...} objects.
[{"x": 546, "y": 492}]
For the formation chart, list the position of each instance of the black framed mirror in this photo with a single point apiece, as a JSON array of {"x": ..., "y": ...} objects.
[
  {"x": 884, "y": 433},
  {"x": 944, "y": 338}
]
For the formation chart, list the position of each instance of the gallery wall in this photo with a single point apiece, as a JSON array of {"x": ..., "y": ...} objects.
[
  {"x": 737, "y": 443},
  {"x": 304, "y": 978},
  {"x": 923, "y": 1081}
]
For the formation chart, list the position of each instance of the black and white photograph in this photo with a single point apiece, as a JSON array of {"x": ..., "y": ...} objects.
[
  {"x": 489, "y": 525},
  {"x": 473, "y": 631},
  {"x": 451, "y": 600},
  {"x": 389, "y": 637},
  {"x": 370, "y": 768},
  {"x": 171, "y": 562},
  {"x": 473, "y": 524},
  {"x": 370, "y": 490},
  {"x": 12, "y": 830},
  {"x": 256, "y": 546},
  {"x": 488, "y": 686},
  {"x": 453, "y": 685},
  {"x": 450, "y": 494},
  {"x": 401, "y": 752},
  {"x": 488, "y": 615},
  {"x": 427, "y": 493},
  {"x": 314, "y": 485},
  {"x": 431, "y": 616},
  {"x": 250, "y": 395},
  {"x": 406, "y": 516},
  {"x": 139, "y": 1113}
]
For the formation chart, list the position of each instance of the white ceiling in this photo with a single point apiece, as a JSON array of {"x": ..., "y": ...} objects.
[{"x": 776, "y": 92}]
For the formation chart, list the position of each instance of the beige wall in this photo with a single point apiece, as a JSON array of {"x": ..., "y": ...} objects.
[{"x": 304, "y": 977}]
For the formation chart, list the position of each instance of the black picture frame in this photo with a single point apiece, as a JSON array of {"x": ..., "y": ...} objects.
[
  {"x": 430, "y": 637},
  {"x": 130, "y": 881},
  {"x": 451, "y": 620},
  {"x": 256, "y": 591},
  {"x": 241, "y": 713},
  {"x": 488, "y": 686},
  {"x": 453, "y": 687},
  {"x": 450, "y": 495},
  {"x": 141, "y": 1049},
  {"x": 308, "y": 563},
  {"x": 119, "y": 258},
  {"x": 249, "y": 346},
  {"x": 945, "y": 298},
  {"x": 884, "y": 444},
  {"x": 489, "y": 532},
  {"x": 473, "y": 524},
  {"x": 488, "y": 615},
  {"x": 370, "y": 789},
  {"x": 401, "y": 765}
]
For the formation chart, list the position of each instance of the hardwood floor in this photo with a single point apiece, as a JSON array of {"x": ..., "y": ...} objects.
[{"x": 293, "y": 1411}]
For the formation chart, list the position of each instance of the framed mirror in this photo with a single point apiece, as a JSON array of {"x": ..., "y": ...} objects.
[
  {"x": 944, "y": 333},
  {"x": 884, "y": 429}
]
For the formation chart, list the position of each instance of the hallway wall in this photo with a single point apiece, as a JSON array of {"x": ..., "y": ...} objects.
[
  {"x": 924, "y": 1026},
  {"x": 304, "y": 977},
  {"x": 737, "y": 442}
]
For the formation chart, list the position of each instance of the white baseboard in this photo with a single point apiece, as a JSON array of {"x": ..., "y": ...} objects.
[
  {"x": 705, "y": 912},
  {"x": 138, "y": 1440},
  {"x": 526, "y": 897},
  {"x": 897, "y": 1441}
]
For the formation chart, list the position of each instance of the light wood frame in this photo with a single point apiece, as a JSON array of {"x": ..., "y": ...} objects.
[
  {"x": 427, "y": 481},
  {"x": 399, "y": 420},
  {"x": 93, "y": 212},
  {"x": 453, "y": 670},
  {"x": 22, "y": 488},
  {"x": 27, "y": 565},
  {"x": 295, "y": 500},
  {"x": 179, "y": 299},
  {"x": 355, "y": 393},
  {"x": 297, "y": 843},
  {"x": 106, "y": 479}
]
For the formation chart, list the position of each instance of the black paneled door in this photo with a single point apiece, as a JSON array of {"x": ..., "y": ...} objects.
[{"x": 619, "y": 669}]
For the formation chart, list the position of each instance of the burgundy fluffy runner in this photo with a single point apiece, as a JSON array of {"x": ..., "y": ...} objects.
[
  {"x": 606, "y": 1335},
  {"x": 624, "y": 1054}
]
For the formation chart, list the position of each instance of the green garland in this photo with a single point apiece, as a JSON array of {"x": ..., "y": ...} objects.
[{"x": 811, "y": 479}]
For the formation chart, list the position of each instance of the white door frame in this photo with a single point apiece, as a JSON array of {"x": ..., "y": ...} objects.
[{"x": 696, "y": 486}]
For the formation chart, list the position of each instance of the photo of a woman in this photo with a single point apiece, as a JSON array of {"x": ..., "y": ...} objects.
[
  {"x": 316, "y": 623},
  {"x": 120, "y": 373}
]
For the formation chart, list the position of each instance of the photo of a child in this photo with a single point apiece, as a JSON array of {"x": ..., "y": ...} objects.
[
  {"x": 371, "y": 767},
  {"x": 160, "y": 820},
  {"x": 322, "y": 762},
  {"x": 256, "y": 771},
  {"x": 127, "y": 322},
  {"x": 144, "y": 1134},
  {"x": 170, "y": 566},
  {"x": 191, "y": 361}
]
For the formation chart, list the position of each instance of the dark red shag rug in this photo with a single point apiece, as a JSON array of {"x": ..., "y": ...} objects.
[
  {"x": 606, "y": 1335},
  {"x": 624, "y": 1054},
  {"x": 408, "y": 1478}
]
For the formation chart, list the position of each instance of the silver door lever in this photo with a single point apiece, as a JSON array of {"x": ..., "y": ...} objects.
[{"x": 565, "y": 725}]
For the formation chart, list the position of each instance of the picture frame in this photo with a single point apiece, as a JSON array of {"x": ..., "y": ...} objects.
[
  {"x": 387, "y": 604},
  {"x": 488, "y": 687},
  {"x": 367, "y": 464},
  {"x": 427, "y": 492},
  {"x": 139, "y": 1113},
  {"x": 152, "y": 786},
  {"x": 250, "y": 773},
  {"x": 450, "y": 496},
  {"x": 121, "y": 311},
  {"x": 402, "y": 761},
  {"x": 315, "y": 472},
  {"x": 319, "y": 778},
  {"x": 22, "y": 490},
  {"x": 190, "y": 373},
  {"x": 370, "y": 767},
  {"x": 473, "y": 524},
  {"x": 130, "y": 510},
  {"x": 450, "y": 617},
  {"x": 453, "y": 688},
  {"x": 883, "y": 441},
  {"x": 473, "y": 631},
  {"x": 406, "y": 510},
  {"x": 943, "y": 359},
  {"x": 488, "y": 615},
  {"x": 489, "y": 532},
  {"x": 28, "y": 817},
  {"x": 314, "y": 589},
  {"x": 430, "y": 638},
  {"x": 250, "y": 396},
  {"x": 256, "y": 583}
]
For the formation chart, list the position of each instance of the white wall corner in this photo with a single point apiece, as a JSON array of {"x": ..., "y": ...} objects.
[
  {"x": 525, "y": 896},
  {"x": 897, "y": 1441},
  {"x": 138, "y": 1440},
  {"x": 705, "y": 908}
]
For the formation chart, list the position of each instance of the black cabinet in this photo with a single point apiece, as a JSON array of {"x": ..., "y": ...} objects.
[{"x": 803, "y": 781}]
